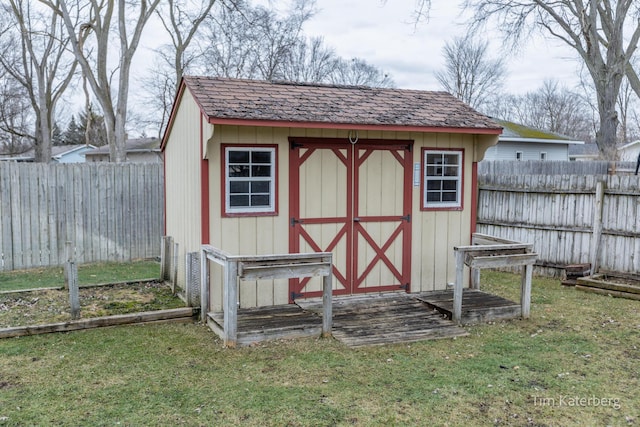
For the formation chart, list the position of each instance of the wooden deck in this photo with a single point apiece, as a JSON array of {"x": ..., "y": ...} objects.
[
  {"x": 370, "y": 319},
  {"x": 477, "y": 306}
]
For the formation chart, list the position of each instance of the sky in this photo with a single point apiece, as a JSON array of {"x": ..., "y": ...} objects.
[{"x": 383, "y": 34}]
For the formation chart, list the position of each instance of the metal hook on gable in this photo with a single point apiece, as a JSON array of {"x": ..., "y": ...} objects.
[{"x": 353, "y": 136}]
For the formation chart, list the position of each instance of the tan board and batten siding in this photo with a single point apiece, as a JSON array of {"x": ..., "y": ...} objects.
[
  {"x": 182, "y": 180},
  {"x": 433, "y": 234}
]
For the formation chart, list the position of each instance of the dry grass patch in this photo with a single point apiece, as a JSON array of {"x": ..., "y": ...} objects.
[{"x": 51, "y": 306}]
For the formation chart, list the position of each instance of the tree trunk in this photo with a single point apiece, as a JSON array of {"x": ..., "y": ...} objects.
[{"x": 607, "y": 135}]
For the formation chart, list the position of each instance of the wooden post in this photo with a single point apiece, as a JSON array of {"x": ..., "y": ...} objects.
[
  {"x": 475, "y": 278},
  {"x": 67, "y": 258},
  {"x": 596, "y": 237},
  {"x": 163, "y": 257},
  {"x": 327, "y": 303},
  {"x": 74, "y": 297},
  {"x": 174, "y": 268},
  {"x": 525, "y": 291},
  {"x": 230, "y": 304},
  {"x": 457, "y": 289},
  {"x": 204, "y": 286}
]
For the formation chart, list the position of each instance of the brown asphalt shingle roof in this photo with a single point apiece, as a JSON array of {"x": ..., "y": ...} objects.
[{"x": 223, "y": 99}]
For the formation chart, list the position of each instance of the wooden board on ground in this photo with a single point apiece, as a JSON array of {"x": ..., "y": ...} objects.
[{"x": 185, "y": 314}]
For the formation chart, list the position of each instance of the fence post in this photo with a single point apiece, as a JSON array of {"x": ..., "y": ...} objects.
[
  {"x": 174, "y": 268},
  {"x": 204, "y": 286},
  {"x": 71, "y": 282},
  {"x": 67, "y": 258},
  {"x": 165, "y": 257},
  {"x": 596, "y": 237}
]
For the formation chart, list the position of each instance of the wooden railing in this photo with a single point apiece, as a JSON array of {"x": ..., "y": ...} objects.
[
  {"x": 256, "y": 267},
  {"x": 492, "y": 252}
]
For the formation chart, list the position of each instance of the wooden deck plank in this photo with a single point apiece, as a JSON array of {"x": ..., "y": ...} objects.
[
  {"x": 477, "y": 306},
  {"x": 370, "y": 319}
]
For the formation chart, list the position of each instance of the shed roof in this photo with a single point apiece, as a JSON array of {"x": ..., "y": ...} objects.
[{"x": 276, "y": 103}]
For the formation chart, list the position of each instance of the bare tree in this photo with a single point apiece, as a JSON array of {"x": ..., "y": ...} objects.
[
  {"x": 181, "y": 19},
  {"x": 552, "y": 107},
  {"x": 310, "y": 61},
  {"x": 36, "y": 56},
  {"x": 627, "y": 100},
  {"x": 255, "y": 42},
  {"x": 278, "y": 37},
  {"x": 469, "y": 73},
  {"x": 358, "y": 72},
  {"x": 232, "y": 43},
  {"x": 16, "y": 135},
  {"x": 594, "y": 29},
  {"x": 90, "y": 43}
]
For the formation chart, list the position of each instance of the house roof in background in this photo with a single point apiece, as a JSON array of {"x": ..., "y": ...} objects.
[
  {"x": 57, "y": 151},
  {"x": 133, "y": 145},
  {"x": 520, "y": 133},
  {"x": 287, "y": 104},
  {"x": 629, "y": 145}
]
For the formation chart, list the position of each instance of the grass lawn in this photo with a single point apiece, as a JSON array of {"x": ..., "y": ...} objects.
[
  {"x": 88, "y": 274},
  {"x": 575, "y": 362}
]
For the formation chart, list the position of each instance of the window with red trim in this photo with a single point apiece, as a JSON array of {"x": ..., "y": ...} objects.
[
  {"x": 250, "y": 180},
  {"x": 442, "y": 179}
]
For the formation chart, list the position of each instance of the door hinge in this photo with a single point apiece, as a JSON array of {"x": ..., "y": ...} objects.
[
  {"x": 405, "y": 287},
  {"x": 407, "y": 218},
  {"x": 295, "y": 145},
  {"x": 294, "y": 296},
  {"x": 295, "y": 221},
  {"x": 409, "y": 147}
]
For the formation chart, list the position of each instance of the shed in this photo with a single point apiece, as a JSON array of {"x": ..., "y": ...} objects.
[
  {"x": 520, "y": 142},
  {"x": 384, "y": 179}
]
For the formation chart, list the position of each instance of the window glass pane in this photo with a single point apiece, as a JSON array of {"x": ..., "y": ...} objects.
[
  {"x": 260, "y": 200},
  {"x": 238, "y": 187},
  {"x": 450, "y": 185},
  {"x": 260, "y": 186},
  {"x": 261, "y": 170},
  {"x": 434, "y": 171},
  {"x": 261, "y": 157},
  {"x": 238, "y": 156},
  {"x": 239, "y": 200},
  {"x": 451, "y": 171},
  {"x": 433, "y": 197},
  {"x": 434, "y": 159},
  {"x": 451, "y": 159},
  {"x": 238, "y": 171},
  {"x": 434, "y": 184},
  {"x": 448, "y": 197}
]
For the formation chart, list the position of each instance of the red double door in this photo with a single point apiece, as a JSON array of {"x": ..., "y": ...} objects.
[{"x": 353, "y": 200}]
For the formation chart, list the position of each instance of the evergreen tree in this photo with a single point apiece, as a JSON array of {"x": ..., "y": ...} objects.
[
  {"x": 74, "y": 133},
  {"x": 57, "y": 138}
]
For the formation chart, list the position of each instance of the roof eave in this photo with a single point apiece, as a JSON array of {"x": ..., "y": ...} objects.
[
  {"x": 353, "y": 126},
  {"x": 540, "y": 140}
]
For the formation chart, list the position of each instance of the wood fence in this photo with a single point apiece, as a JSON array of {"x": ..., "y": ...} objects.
[
  {"x": 109, "y": 212},
  {"x": 544, "y": 167},
  {"x": 570, "y": 219}
]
